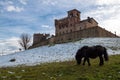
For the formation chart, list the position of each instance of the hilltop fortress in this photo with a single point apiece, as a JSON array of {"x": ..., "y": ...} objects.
[{"x": 71, "y": 28}]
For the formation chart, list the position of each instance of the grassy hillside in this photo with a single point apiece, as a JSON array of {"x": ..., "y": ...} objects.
[{"x": 65, "y": 71}]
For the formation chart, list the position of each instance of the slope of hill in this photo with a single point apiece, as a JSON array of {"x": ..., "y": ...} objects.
[
  {"x": 66, "y": 70},
  {"x": 58, "y": 52}
]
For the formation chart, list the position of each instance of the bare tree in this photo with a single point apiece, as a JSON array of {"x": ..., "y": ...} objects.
[{"x": 25, "y": 40}]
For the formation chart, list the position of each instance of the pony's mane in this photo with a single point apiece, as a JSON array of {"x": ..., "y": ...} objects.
[{"x": 84, "y": 47}]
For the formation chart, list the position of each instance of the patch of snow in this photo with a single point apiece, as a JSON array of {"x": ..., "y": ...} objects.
[{"x": 58, "y": 52}]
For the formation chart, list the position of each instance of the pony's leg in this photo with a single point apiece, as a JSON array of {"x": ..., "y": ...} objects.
[
  {"x": 84, "y": 61},
  {"x": 88, "y": 60},
  {"x": 101, "y": 61}
]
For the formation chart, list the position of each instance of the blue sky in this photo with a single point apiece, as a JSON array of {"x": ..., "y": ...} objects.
[{"x": 37, "y": 16}]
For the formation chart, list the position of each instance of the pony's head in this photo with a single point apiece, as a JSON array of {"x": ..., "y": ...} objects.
[
  {"x": 78, "y": 57},
  {"x": 80, "y": 54}
]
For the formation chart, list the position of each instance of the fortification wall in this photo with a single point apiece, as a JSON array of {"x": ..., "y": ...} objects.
[
  {"x": 85, "y": 33},
  {"x": 92, "y": 32},
  {"x": 105, "y": 33}
]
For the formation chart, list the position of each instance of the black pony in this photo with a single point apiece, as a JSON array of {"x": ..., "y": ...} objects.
[{"x": 91, "y": 52}]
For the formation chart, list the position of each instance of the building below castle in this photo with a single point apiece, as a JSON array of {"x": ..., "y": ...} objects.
[{"x": 72, "y": 28}]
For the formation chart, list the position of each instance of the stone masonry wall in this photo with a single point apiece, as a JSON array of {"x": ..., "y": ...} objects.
[{"x": 85, "y": 33}]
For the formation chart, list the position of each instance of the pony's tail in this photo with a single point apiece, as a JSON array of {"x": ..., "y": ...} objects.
[{"x": 106, "y": 55}]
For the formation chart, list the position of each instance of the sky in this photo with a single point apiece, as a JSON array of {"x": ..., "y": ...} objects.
[{"x": 37, "y": 16}]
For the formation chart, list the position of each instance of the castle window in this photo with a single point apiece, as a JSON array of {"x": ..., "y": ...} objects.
[
  {"x": 62, "y": 26},
  {"x": 66, "y": 25},
  {"x": 59, "y": 27},
  {"x": 80, "y": 28},
  {"x": 71, "y": 15},
  {"x": 78, "y": 15}
]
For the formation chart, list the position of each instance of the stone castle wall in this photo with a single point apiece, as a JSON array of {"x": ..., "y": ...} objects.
[{"x": 92, "y": 32}]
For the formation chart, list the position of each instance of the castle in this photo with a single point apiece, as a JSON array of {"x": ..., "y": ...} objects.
[{"x": 72, "y": 28}]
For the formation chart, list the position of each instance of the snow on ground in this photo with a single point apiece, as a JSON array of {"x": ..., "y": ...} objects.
[{"x": 58, "y": 52}]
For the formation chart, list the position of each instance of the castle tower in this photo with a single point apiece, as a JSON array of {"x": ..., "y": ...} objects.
[
  {"x": 74, "y": 14},
  {"x": 67, "y": 24}
]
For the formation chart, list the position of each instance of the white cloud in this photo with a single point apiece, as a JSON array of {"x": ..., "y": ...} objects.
[
  {"x": 112, "y": 23},
  {"x": 49, "y": 2},
  {"x": 102, "y": 13},
  {"x": 13, "y": 41},
  {"x": 16, "y": 6},
  {"x": 9, "y": 42},
  {"x": 11, "y": 8},
  {"x": 46, "y": 29},
  {"x": 5, "y": 3},
  {"x": 9, "y": 45},
  {"x": 107, "y": 2},
  {"x": 23, "y": 2},
  {"x": 107, "y": 15},
  {"x": 45, "y": 26}
]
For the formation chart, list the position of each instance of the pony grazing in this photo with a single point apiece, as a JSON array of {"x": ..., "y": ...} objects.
[{"x": 91, "y": 52}]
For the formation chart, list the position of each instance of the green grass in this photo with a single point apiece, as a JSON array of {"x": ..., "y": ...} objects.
[{"x": 65, "y": 71}]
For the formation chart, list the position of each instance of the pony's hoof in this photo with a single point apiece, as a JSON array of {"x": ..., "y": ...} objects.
[
  {"x": 89, "y": 64},
  {"x": 101, "y": 64},
  {"x": 83, "y": 64}
]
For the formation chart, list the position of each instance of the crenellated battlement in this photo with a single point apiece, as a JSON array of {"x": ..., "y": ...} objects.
[{"x": 38, "y": 38}]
